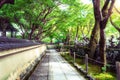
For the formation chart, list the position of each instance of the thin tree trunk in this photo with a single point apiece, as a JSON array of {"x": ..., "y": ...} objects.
[
  {"x": 106, "y": 12},
  {"x": 77, "y": 30},
  {"x": 4, "y": 33},
  {"x": 4, "y": 26},
  {"x": 33, "y": 28},
  {"x": 76, "y": 37}
]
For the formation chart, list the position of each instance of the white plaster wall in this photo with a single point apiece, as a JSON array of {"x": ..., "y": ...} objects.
[{"x": 9, "y": 64}]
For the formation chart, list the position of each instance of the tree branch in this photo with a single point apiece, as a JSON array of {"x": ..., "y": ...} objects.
[
  {"x": 117, "y": 9},
  {"x": 40, "y": 14},
  {"x": 21, "y": 25},
  {"x": 47, "y": 13},
  {"x": 110, "y": 8},
  {"x": 114, "y": 25},
  {"x": 46, "y": 35},
  {"x": 2, "y": 2},
  {"x": 105, "y": 8},
  {"x": 107, "y": 15}
]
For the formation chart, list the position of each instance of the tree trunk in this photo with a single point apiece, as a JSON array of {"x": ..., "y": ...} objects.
[
  {"x": 77, "y": 30},
  {"x": 102, "y": 46},
  {"x": 106, "y": 12},
  {"x": 68, "y": 38},
  {"x": 12, "y": 34},
  {"x": 51, "y": 41},
  {"x": 4, "y": 26},
  {"x": 76, "y": 36},
  {"x": 94, "y": 39},
  {"x": 30, "y": 35},
  {"x": 96, "y": 30},
  {"x": 4, "y": 33}
]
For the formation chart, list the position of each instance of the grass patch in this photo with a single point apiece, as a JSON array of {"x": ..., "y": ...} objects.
[
  {"x": 93, "y": 70},
  {"x": 67, "y": 57}
]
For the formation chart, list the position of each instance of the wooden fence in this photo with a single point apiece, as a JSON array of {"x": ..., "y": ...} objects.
[{"x": 118, "y": 70}]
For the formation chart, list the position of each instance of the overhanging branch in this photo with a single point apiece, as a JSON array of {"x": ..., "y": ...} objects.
[{"x": 114, "y": 25}]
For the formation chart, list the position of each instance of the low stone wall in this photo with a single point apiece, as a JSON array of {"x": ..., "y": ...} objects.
[{"x": 14, "y": 61}]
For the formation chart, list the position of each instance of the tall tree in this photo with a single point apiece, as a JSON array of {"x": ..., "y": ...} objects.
[{"x": 101, "y": 19}]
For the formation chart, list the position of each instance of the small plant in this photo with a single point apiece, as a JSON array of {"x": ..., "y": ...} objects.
[{"x": 104, "y": 68}]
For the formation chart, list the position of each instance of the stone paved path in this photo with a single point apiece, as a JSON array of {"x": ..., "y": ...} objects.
[{"x": 54, "y": 67}]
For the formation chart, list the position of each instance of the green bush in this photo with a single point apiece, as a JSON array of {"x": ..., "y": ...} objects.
[{"x": 104, "y": 76}]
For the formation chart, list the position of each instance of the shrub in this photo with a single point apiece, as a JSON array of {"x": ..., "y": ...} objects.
[{"x": 104, "y": 76}]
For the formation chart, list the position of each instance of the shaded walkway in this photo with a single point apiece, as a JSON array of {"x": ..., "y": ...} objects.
[{"x": 54, "y": 67}]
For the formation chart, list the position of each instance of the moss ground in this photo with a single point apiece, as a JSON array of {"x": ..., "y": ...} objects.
[{"x": 93, "y": 69}]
